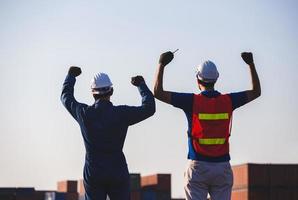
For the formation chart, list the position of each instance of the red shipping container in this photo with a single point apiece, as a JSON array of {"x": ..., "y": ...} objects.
[
  {"x": 265, "y": 181},
  {"x": 240, "y": 173},
  {"x": 251, "y": 175},
  {"x": 81, "y": 188},
  {"x": 67, "y": 186},
  {"x": 160, "y": 182},
  {"x": 241, "y": 194}
]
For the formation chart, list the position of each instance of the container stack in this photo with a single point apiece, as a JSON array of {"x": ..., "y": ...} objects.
[
  {"x": 7, "y": 193},
  {"x": 135, "y": 187},
  {"x": 22, "y": 194},
  {"x": 67, "y": 190},
  {"x": 156, "y": 187},
  {"x": 40, "y": 195},
  {"x": 17, "y": 194},
  {"x": 265, "y": 182},
  {"x": 81, "y": 189},
  {"x": 283, "y": 182},
  {"x": 25, "y": 193}
]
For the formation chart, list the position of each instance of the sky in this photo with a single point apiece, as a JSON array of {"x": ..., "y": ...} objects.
[{"x": 40, "y": 143}]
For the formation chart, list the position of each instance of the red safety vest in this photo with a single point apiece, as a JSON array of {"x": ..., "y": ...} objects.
[{"x": 211, "y": 121}]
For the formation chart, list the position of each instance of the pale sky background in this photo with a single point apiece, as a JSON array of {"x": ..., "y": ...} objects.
[{"x": 40, "y": 143}]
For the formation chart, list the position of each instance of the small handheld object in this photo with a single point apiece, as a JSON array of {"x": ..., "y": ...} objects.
[{"x": 175, "y": 51}]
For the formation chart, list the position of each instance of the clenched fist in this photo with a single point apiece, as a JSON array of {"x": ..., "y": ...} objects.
[
  {"x": 247, "y": 57},
  {"x": 137, "y": 80},
  {"x": 166, "y": 58},
  {"x": 75, "y": 71}
]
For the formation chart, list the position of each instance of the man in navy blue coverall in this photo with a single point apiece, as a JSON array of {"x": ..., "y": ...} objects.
[
  {"x": 206, "y": 174},
  {"x": 104, "y": 128}
]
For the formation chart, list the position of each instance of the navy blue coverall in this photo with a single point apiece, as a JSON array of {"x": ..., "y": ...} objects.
[{"x": 104, "y": 127}]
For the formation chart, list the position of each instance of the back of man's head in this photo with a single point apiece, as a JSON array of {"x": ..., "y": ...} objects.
[
  {"x": 101, "y": 86},
  {"x": 207, "y": 74}
]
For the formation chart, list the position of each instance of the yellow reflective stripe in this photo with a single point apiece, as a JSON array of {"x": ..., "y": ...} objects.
[
  {"x": 211, "y": 141},
  {"x": 217, "y": 116}
]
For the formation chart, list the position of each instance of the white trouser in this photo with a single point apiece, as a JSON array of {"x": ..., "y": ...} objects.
[{"x": 202, "y": 178}]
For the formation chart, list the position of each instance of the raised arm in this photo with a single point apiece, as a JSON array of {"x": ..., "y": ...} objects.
[
  {"x": 255, "y": 92},
  {"x": 67, "y": 97},
  {"x": 135, "y": 114},
  {"x": 159, "y": 92}
]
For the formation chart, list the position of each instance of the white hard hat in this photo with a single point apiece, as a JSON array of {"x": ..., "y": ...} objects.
[
  {"x": 207, "y": 72},
  {"x": 101, "y": 83}
]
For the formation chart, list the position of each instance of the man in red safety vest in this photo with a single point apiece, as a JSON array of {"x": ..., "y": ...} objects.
[{"x": 209, "y": 116}]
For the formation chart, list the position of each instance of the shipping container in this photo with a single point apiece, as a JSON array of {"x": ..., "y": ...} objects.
[
  {"x": 17, "y": 193},
  {"x": 282, "y": 175},
  {"x": 67, "y": 186},
  {"x": 25, "y": 190},
  {"x": 240, "y": 173},
  {"x": 265, "y": 175},
  {"x": 40, "y": 195},
  {"x": 283, "y": 194},
  {"x": 7, "y": 196},
  {"x": 251, "y": 175},
  {"x": 159, "y": 182},
  {"x": 25, "y": 193},
  {"x": 241, "y": 194},
  {"x": 8, "y": 190},
  {"x": 135, "y": 182},
  {"x": 81, "y": 188},
  {"x": 265, "y": 182},
  {"x": 251, "y": 194}
]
